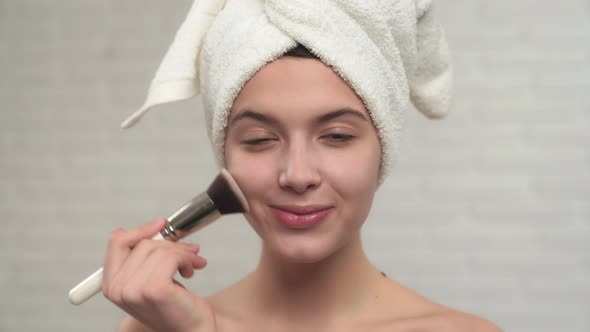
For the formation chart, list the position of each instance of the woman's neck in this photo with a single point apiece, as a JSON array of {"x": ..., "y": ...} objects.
[{"x": 341, "y": 286}]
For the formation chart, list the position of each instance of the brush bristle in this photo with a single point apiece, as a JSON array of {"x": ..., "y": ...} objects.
[{"x": 226, "y": 194}]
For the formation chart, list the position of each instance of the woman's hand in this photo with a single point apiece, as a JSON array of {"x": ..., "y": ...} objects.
[{"x": 138, "y": 277}]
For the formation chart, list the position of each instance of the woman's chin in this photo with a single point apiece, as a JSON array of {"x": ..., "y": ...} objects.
[
  {"x": 302, "y": 253},
  {"x": 303, "y": 259}
]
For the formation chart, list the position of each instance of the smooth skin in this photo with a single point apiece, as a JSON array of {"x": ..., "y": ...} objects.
[{"x": 297, "y": 135}]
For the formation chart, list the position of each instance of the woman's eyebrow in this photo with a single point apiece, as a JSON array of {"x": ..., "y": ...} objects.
[
  {"x": 249, "y": 114},
  {"x": 340, "y": 112},
  {"x": 264, "y": 118}
]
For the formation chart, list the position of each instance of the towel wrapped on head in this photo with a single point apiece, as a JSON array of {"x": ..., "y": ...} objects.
[{"x": 390, "y": 52}]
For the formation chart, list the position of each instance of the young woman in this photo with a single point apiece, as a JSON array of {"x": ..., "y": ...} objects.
[
  {"x": 299, "y": 141},
  {"x": 307, "y": 133}
]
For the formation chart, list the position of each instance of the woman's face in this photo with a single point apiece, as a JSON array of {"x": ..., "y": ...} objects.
[{"x": 303, "y": 149}]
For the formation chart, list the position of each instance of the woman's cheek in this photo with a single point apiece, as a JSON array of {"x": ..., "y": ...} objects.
[
  {"x": 252, "y": 171},
  {"x": 351, "y": 170}
]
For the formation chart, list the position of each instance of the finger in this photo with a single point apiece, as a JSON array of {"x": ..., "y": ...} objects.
[
  {"x": 120, "y": 245},
  {"x": 200, "y": 263},
  {"x": 131, "y": 291},
  {"x": 144, "y": 249},
  {"x": 146, "y": 231},
  {"x": 163, "y": 267},
  {"x": 151, "y": 290},
  {"x": 132, "y": 294},
  {"x": 185, "y": 268},
  {"x": 187, "y": 271},
  {"x": 138, "y": 255},
  {"x": 195, "y": 247}
]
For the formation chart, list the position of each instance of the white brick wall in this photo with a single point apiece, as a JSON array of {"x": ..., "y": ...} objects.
[{"x": 487, "y": 211}]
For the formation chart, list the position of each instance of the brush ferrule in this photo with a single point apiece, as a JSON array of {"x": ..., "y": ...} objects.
[{"x": 194, "y": 215}]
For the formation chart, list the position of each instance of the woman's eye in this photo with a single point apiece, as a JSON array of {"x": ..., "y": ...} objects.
[
  {"x": 256, "y": 141},
  {"x": 339, "y": 137}
]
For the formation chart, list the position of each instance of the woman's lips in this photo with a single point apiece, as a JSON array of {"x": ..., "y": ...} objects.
[{"x": 301, "y": 220}]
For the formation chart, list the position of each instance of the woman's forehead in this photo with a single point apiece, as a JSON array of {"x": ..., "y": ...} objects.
[{"x": 296, "y": 85}]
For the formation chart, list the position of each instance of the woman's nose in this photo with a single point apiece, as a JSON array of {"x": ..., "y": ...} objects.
[{"x": 299, "y": 172}]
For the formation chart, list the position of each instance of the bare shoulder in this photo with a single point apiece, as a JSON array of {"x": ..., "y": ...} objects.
[
  {"x": 451, "y": 320},
  {"x": 130, "y": 324},
  {"x": 415, "y": 312},
  {"x": 443, "y": 321}
]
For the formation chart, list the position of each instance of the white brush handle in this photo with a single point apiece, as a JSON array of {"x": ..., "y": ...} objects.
[{"x": 92, "y": 285}]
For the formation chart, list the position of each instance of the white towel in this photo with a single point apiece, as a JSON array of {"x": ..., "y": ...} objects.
[{"x": 389, "y": 51}]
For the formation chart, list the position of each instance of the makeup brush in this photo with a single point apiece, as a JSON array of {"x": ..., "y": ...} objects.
[{"x": 222, "y": 197}]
